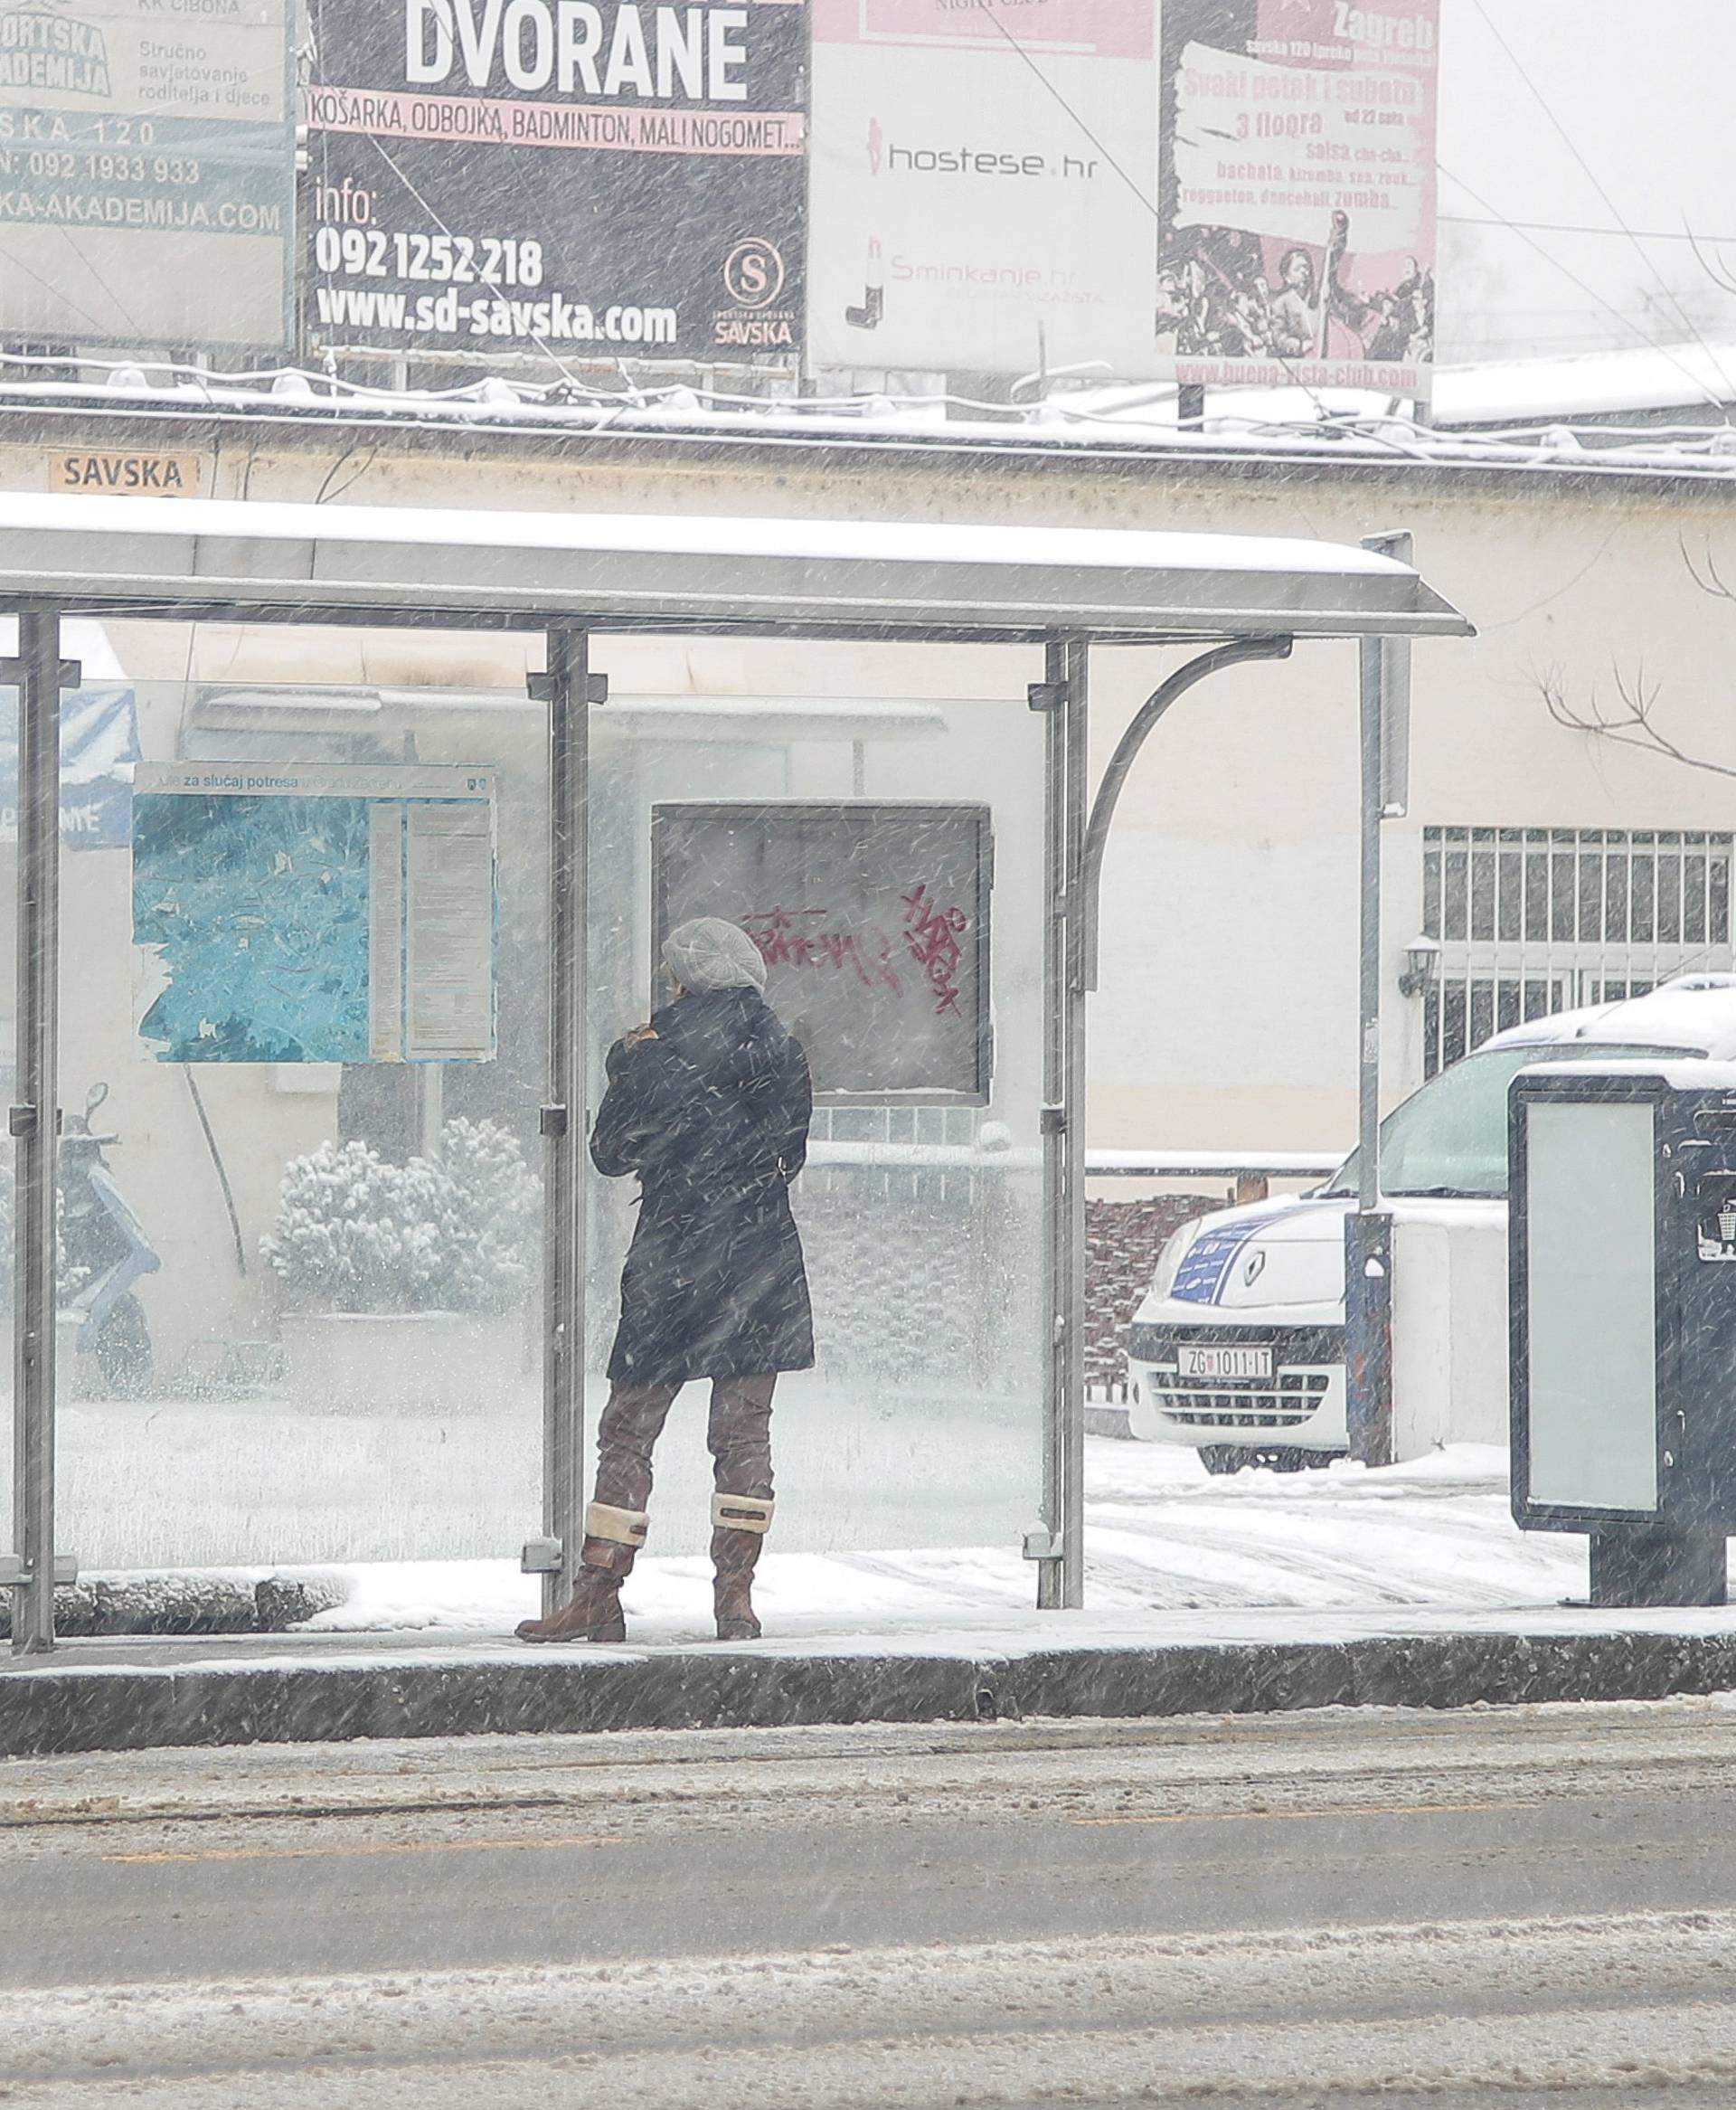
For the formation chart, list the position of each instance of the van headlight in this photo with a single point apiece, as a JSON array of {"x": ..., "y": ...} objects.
[{"x": 1169, "y": 1260}]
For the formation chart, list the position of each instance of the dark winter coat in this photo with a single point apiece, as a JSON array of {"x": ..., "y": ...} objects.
[{"x": 710, "y": 1106}]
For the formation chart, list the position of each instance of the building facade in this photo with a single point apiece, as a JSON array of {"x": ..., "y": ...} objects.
[{"x": 1545, "y": 865}]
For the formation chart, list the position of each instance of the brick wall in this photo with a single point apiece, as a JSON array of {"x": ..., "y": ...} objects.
[{"x": 1122, "y": 1242}]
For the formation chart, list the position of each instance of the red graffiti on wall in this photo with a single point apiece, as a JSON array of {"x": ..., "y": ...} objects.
[
  {"x": 932, "y": 933},
  {"x": 803, "y": 938},
  {"x": 808, "y": 938}
]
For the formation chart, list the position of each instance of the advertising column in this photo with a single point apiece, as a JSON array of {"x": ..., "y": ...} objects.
[
  {"x": 580, "y": 180},
  {"x": 1298, "y": 192},
  {"x": 984, "y": 185}
]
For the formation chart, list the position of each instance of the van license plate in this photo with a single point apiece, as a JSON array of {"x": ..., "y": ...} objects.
[{"x": 1221, "y": 1362}]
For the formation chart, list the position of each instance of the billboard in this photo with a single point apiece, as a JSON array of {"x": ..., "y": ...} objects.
[
  {"x": 1296, "y": 193},
  {"x": 323, "y": 915},
  {"x": 1207, "y": 191},
  {"x": 872, "y": 921},
  {"x": 148, "y": 172},
  {"x": 982, "y": 185},
  {"x": 577, "y": 178}
]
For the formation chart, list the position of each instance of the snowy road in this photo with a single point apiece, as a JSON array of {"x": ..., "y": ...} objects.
[{"x": 1294, "y": 1910}]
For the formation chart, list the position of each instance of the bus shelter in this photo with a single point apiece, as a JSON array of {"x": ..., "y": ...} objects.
[{"x": 474, "y": 883}]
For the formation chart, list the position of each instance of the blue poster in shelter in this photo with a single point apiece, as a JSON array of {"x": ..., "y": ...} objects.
[
  {"x": 258, "y": 910},
  {"x": 332, "y": 915}
]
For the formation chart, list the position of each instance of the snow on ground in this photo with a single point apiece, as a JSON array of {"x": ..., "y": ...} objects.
[
  {"x": 1160, "y": 1536},
  {"x": 180, "y": 1483}
]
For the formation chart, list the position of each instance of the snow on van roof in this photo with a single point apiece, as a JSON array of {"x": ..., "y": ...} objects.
[{"x": 1695, "y": 1013}]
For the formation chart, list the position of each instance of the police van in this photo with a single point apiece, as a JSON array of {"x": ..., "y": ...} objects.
[{"x": 1238, "y": 1350}]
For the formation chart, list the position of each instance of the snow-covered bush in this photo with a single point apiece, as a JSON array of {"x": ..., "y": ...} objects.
[
  {"x": 492, "y": 1212},
  {"x": 356, "y": 1233},
  {"x": 347, "y": 1236}
]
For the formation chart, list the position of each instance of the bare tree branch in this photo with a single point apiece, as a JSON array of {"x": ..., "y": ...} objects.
[
  {"x": 1718, "y": 276},
  {"x": 1632, "y": 720},
  {"x": 1712, "y": 581},
  {"x": 1633, "y": 724}
]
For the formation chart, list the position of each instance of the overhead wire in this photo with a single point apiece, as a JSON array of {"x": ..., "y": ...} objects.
[
  {"x": 1718, "y": 403},
  {"x": 1574, "y": 227},
  {"x": 1567, "y": 140}
]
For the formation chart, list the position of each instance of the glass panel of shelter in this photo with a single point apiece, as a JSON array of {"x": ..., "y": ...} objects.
[
  {"x": 265, "y": 1420},
  {"x": 922, "y": 1222},
  {"x": 333, "y": 1353}
]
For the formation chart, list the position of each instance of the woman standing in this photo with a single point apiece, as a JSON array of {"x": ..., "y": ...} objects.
[{"x": 710, "y": 1104}]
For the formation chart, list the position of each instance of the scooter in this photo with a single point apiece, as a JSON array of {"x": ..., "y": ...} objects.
[{"x": 104, "y": 1251}]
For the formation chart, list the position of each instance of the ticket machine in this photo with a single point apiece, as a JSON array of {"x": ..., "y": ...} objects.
[{"x": 1622, "y": 1258}]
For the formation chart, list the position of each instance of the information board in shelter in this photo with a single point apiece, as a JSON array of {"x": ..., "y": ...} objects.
[
  {"x": 872, "y": 919},
  {"x": 315, "y": 915}
]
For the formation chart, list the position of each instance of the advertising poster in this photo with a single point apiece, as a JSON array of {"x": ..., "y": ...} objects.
[
  {"x": 983, "y": 184},
  {"x": 1296, "y": 182},
  {"x": 98, "y": 746},
  {"x": 579, "y": 178},
  {"x": 872, "y": 921},
  {"x": 322, "y": 915},
  {"x": 148, "y": 172}
]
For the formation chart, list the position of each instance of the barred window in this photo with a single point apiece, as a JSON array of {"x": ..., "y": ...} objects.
[
  {"x": 1532, "y": 921},
  {"x": 1585, "y": 886}
]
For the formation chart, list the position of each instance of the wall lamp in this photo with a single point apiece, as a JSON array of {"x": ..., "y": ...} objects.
[{"x": 1423, "y": 955}]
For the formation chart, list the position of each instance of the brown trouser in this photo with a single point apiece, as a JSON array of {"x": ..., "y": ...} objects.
[{"x": 739, "y": 1437}]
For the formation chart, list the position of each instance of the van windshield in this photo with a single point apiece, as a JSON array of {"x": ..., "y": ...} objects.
[{"x": 1450, "y": 1138}]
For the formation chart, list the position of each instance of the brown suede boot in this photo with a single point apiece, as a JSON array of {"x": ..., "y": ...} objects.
[
  {"x": 739, "y": 1524},
  {"x": 595, "y": 1613},
  {"x": 734, "y": 1554}
]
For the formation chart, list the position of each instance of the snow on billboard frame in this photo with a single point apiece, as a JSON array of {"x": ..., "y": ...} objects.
[
  {"x": 1199, "y": 191},
  {"x": 152, "y": 195},
  {"x": 573, "y": 578},
  {"x": 588, "y": 181},
  {"x": 874, "y": 918}
]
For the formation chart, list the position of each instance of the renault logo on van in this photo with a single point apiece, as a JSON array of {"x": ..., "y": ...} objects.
[{"x": 1256, "y": 1266}]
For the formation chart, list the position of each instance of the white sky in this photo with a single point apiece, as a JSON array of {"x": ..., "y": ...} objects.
[{"x": 1643, "y": 90}]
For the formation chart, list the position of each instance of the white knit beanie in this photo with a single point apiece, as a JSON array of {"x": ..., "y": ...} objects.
[{"x": 710, "y": 954}]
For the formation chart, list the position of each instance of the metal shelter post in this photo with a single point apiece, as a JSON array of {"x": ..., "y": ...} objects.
[
  {"x": 568, "y": 694},
  {"x": 1368, "y": 1234},
  {"x": 1077, "y": 660},
  {"x": 33, "y": 1122},
  {"x": 1062, "y": 696}
]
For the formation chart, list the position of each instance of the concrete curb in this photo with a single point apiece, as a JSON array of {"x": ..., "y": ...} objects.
[
  {"x": 99, "y": 1608},
  {"x": 54, "y": 1707}
]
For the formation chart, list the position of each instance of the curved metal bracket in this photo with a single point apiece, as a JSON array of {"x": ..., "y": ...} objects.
[{"x": 1127, "y": 751}]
